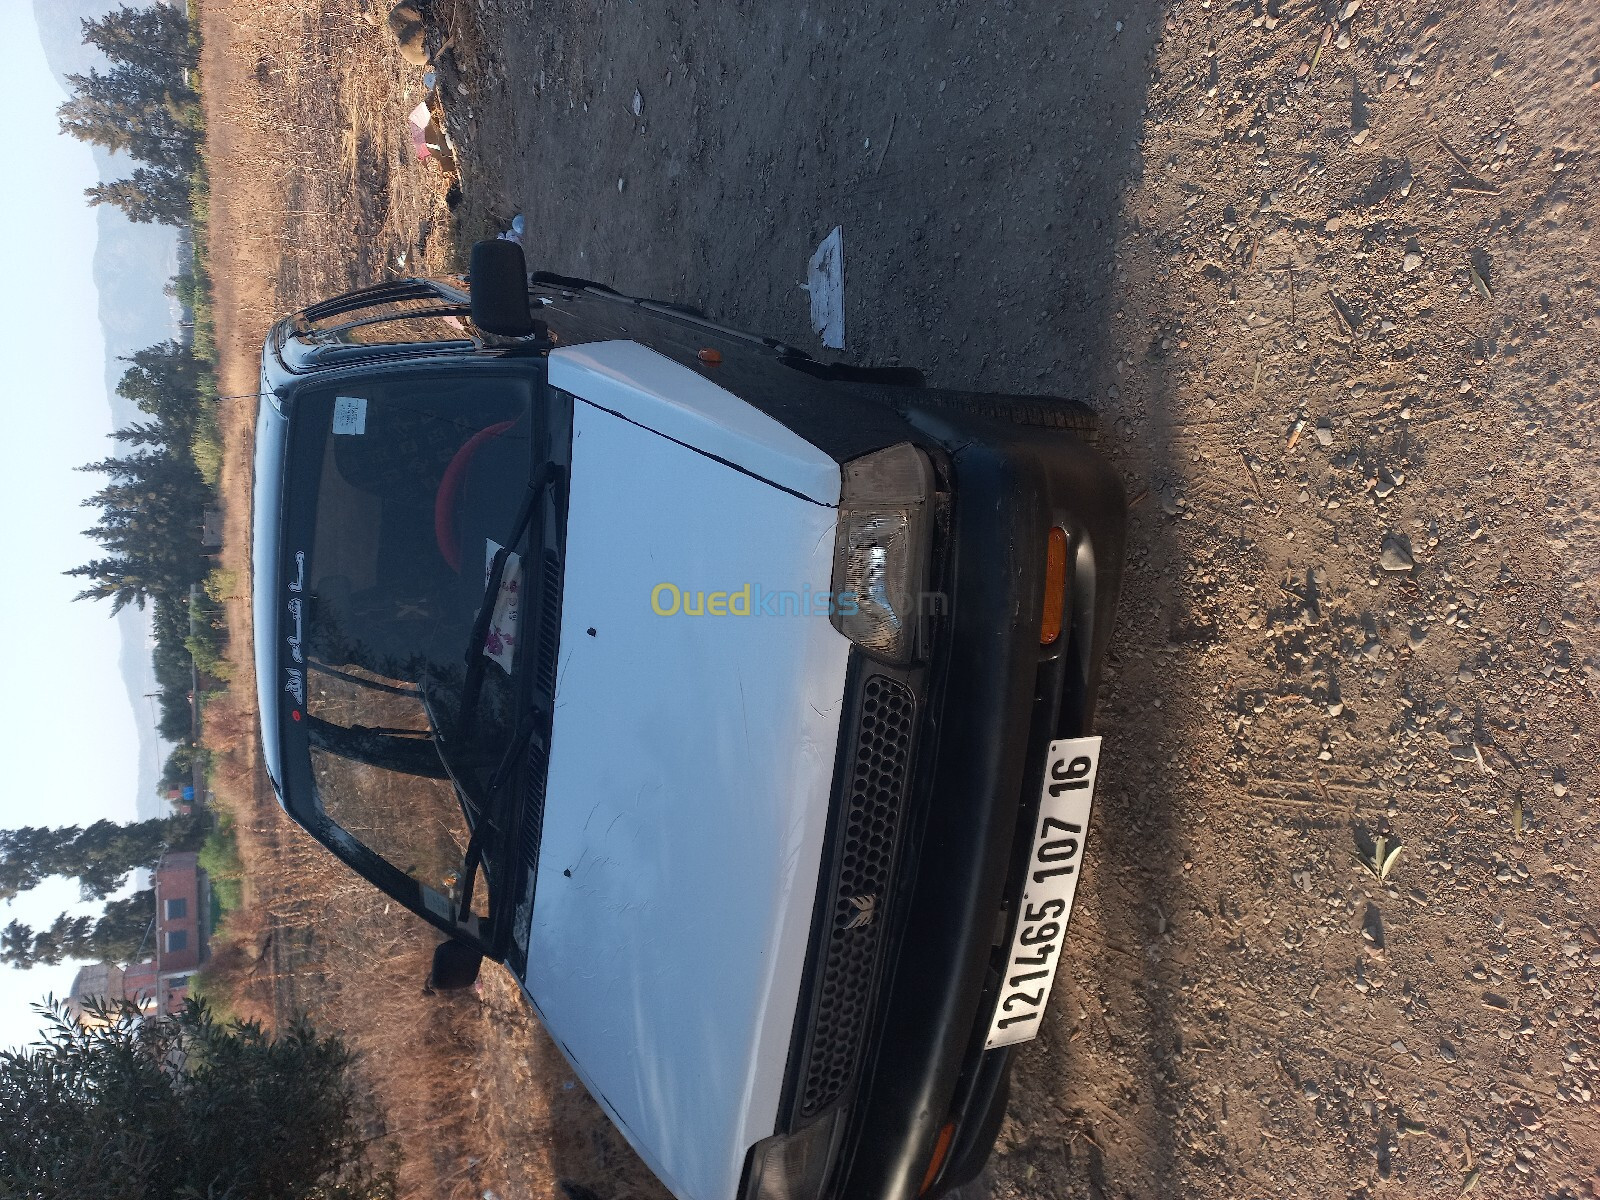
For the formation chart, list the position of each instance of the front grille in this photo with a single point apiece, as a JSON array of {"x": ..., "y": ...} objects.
[
  {"x": 876, "y": 787},
  {"x": 533, "y": 803},
  {"x": 544, "y": 680},
  {"x": 546, "y": 644}
]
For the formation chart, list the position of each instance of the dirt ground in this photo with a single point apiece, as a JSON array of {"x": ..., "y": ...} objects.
[{"x": 1331, "y": 284}]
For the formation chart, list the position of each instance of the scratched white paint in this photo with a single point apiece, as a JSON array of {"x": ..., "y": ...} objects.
[{"x": 692, "y": 760}]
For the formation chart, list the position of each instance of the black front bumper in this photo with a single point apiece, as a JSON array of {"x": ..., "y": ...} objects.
[{"x": 994, "y": 700}]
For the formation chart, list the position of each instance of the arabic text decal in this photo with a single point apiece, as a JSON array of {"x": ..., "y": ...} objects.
[{"x": 294, "y": 639}]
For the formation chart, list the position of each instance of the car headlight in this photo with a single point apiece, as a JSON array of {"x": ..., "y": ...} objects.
[
  {"x": 793, "y": 1166},
  {"x": 880, "y": 552}
]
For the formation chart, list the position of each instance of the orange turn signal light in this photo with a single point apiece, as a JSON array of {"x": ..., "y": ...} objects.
[
  {"x": 1055, "y": 586},
  {"x": 941, "y": 1151}
]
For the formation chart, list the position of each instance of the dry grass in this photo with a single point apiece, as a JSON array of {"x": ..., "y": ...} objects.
[{"x": 315, "y": 189}]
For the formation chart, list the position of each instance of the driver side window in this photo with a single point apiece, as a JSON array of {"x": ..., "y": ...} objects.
[{"x": 378, "y": 778}]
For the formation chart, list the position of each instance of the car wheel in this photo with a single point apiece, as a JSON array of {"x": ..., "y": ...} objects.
[{"x": 1041, "y": 412}]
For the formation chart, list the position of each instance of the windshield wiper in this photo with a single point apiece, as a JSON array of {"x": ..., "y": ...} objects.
[
  {"x": 473, "y": 806},
  {"x": 491, "y": 818},
  {"x": 477, "y": 661},
  {"x": 488, "y": 806}
]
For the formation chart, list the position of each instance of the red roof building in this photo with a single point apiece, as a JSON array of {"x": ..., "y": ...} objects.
[{"x": 182, "y": 898}]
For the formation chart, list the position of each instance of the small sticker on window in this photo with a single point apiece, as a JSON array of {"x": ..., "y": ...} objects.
[
  {"x": 500, "y": 643},
  {"x": 350, "y": 415}
]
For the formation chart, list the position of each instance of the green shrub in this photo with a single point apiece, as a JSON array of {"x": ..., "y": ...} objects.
[
  {"x": 130, "y": 1105},
  {"x": 207, "y": 451},
  {"x": 219, "y": 858}
]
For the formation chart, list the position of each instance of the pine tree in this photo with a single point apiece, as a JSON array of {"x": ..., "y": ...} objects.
[
  {"x": 144, "y": 106},
  {"x": 119, "y": 936},
  {"x": 169, "y": 625},
  {"x": 151, "y": 195},
  {"x": 154, "y": 37},
  {"x": 154, "y": 501},
  {"x": 151, "y": 512},
  {"x": 135, "y": 113},
  {"x": 164, "y": 382}
]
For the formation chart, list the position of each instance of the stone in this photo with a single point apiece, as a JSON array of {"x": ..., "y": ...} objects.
[
  {"x": 1396, "y": 553},
  {"x": 405, "y": 22}
]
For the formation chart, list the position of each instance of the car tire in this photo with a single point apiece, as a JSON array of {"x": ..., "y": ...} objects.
[{"x": 1040, "y": 412}]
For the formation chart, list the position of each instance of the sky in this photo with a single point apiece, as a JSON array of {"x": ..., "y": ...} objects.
[{"x": 67, "y": 729}]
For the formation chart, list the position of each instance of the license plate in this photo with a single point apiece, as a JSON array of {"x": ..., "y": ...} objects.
[{"x": 1052, "y": 880}]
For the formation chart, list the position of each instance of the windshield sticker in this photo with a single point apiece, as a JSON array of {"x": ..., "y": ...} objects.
[
  {"x": 295, "y": 685},
  {"x": 350, "y": 415},
  {"x": 294, "y": 639},
  {"x": 299, "y": 572},
  {"x": 500, "y": 643}
]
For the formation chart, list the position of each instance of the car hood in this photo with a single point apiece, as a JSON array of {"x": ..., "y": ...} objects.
[
  {"x": 691, "y": 765},
  {"x": 638, "y": 384}
]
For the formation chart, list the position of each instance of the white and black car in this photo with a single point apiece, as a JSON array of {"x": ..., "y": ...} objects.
[{"x": 739, "y": 703}]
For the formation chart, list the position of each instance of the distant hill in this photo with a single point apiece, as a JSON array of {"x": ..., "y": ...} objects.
[
  {"x": 132, "y": 264},
  {"x": 60, "y": 25}
]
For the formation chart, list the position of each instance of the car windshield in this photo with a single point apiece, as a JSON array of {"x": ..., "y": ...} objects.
[{"x": 401, "y": 491}]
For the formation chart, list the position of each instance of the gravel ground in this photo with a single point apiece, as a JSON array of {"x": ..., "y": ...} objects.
[{"x": 1328, "y": 272}]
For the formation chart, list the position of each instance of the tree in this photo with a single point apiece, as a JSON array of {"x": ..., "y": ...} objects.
[
  {"x": 154, "y": 500},
  {"x": 28, "y": 855},
  {"x": 152, "y": 195},
  {"x": 183, "y": 1106},
  {"x": 155, "y": 38},
  {"x": 164, "y": 382},
  {"x": 151, "y": 513},
  {"x": 99, "y": 857},
  {"x": 174, "y": 668},
  {"x": 119, "y": 936},
  {"x": 178, "y": 770},
  {"x": 136, "y": 113},
  {"x": 144, "y": 107},
  {"x": 185, "y": 289}
]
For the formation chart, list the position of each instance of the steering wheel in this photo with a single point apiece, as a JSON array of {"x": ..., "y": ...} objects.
[{"x": 449, "y": 494}]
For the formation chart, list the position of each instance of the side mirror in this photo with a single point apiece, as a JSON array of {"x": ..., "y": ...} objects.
[
  {"x": 499, "y": 287},
  {"x": 455, "y": 966}
]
